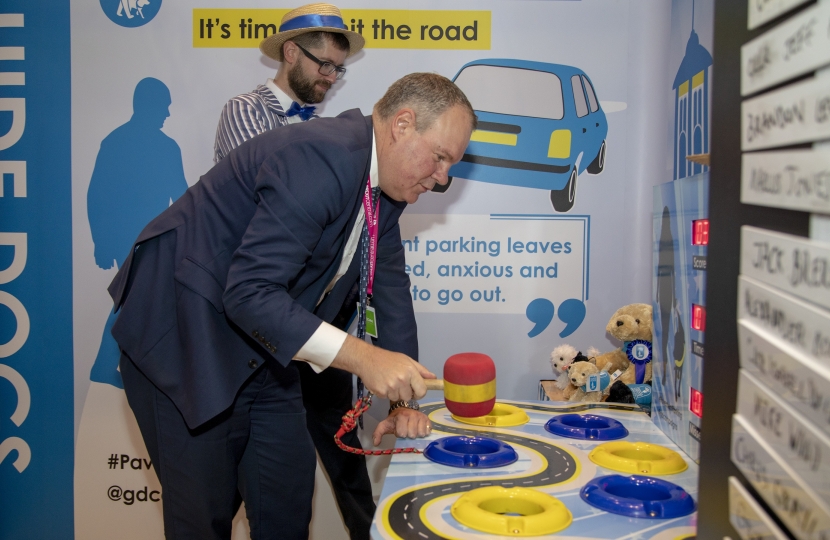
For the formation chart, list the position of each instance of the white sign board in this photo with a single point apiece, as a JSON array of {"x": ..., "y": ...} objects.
[
  {"x": 761, "y": 11},
  {"x": 792, "y": 48},
  {"x": 800, "y": 382},
  {"x": 794, "y": 114},
  {"x": 750, "y": 520},
  {"x": 795, "y": 440},
  {"x": 794, "y": 264},
  {"x": 802, "y": 325},
  {"x": 494, "y": 263},
  {"x": 795, "y": 504},
  {"x": 794, "y": 179}
]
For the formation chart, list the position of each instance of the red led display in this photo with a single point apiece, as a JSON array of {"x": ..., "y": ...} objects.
[
  {"x": 698, "y": 317},
  {"x": 700, "y": 232},
  {"x": 696, "y": 403}
]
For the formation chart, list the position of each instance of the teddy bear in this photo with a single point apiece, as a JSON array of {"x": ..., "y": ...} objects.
[
  {"x": 560, "y": 359},
  {"x": 636, "y": 334},
  {"x": 637, "y": 344},
  {"x": 579, "y": 372},
  {"x": 633, "y": 326},
  {"x": 570, "y": 389}
]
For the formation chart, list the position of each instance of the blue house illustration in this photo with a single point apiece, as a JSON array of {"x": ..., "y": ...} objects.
[{"x": 691, "y": 107}]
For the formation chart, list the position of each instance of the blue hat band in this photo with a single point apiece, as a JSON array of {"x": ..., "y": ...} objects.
[{"x": 313, "y": 21}]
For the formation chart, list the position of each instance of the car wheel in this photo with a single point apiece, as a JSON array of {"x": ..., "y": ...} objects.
[
  {"x": 438, "y": 188},
  {"x": 563, "y": 199},
  {"x": 598, "y": 164}
]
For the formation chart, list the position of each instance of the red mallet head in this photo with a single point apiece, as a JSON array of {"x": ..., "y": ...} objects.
[{"x": 470, "y": 384}]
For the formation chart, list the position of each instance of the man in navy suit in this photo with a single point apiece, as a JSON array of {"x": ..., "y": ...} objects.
[
  {"x": 243, "y": 274},
  {"x": 312, "y": 45}
]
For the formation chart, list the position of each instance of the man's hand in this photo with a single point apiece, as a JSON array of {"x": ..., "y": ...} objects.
[
  {"x": 386, "y": 374},
  {"x": 404, "y": 423}
]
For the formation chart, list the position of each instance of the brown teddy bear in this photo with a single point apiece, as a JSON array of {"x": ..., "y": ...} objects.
[
  {"x": 579, "y": 373},
  {"x": 638, "y": 347},
  {"x": 568, "y": 389},
  {"x": 630, "y": 324}
]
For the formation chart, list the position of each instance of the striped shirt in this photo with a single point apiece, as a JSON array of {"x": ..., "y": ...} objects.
[
  {"x": 248, "y": 115},
  {"x": 245, "y": 117}
]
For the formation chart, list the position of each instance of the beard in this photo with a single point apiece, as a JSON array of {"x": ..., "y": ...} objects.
[{"x": 305, "y": 88}]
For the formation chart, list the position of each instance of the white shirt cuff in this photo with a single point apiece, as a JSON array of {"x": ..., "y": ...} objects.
[{"x": 321, "y": 348}]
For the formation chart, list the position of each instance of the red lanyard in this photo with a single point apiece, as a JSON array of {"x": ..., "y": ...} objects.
[{"x": 372, "y": 227}]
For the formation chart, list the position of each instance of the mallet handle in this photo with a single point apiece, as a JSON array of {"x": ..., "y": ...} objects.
[{"x": 434, "y": 384}]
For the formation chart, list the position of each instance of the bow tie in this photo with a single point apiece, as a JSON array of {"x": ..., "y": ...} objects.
[{"x": 304, "y": 112}]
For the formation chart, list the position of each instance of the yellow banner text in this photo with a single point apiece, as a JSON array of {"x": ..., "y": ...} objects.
[{"x": 381, "y": 28}]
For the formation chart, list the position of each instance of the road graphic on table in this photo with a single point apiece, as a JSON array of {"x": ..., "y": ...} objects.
[{"x": 404, "y": 515}]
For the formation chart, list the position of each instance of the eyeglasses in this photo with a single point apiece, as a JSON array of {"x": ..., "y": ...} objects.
[{"x": 326, "y": 68}]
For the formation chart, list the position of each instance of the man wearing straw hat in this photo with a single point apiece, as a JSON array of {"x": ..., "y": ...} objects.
[{"x": 312, "y": 43}]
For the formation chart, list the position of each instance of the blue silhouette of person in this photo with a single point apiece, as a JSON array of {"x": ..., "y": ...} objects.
[{"x": 137, "y": 175}]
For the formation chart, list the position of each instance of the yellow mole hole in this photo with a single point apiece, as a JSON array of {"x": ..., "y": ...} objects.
[
  {"x": 507, "y": 505},
  {"x": 639, "y": 455}
]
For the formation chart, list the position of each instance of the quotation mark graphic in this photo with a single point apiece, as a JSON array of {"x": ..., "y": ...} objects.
[
  {"x": 541, "y": 310},
  {"x": 572, "y": 313}
]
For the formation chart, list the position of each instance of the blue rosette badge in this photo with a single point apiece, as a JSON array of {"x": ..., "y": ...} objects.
[{"x": 639, "y": 354}]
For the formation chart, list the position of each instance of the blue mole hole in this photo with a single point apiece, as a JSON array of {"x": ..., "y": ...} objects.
[
  {"x": 461, "y": 447},
  {"x": 588, "y": 423},
  {"x": 639, "y": 492}
]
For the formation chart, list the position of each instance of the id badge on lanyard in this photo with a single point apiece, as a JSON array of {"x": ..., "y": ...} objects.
[{"x": 372, "y": 214}]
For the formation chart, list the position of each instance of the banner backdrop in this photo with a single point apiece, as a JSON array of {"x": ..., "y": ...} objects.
[
  {"x": 515, "y": 258},
  {"x": 35, "y": 272}
]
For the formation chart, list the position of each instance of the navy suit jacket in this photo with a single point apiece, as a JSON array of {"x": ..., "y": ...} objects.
[{"x": 230, "y": 275}]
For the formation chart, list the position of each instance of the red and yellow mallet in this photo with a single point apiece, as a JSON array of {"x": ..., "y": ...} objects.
[{"x": 469, "y": 384}]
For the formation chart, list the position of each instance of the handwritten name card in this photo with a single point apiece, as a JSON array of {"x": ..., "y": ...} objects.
[
  {"x": 802, "y": 446},
  {"x": 794, "y": 179},
  {"x": 800, "y": 382},
  {"x": 748, "y": 517},
  {"x": 792, "y": 48},
  {"x": 802, "y": 325},
  {"x": 794, "y": 114},
  {"x": 794, "y": 264},
  {"x": 795, "y": 504},
  {"x": 761, "y": 11}
]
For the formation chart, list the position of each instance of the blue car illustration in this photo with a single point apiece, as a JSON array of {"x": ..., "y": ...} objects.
[{"x": 539, "y": 126}]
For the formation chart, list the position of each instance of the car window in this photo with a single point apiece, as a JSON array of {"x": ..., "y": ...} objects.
[
  {"x": 579, "y": 97},
  {"x": 589, "y": 89},
  {"x": 514, "y": 91}
]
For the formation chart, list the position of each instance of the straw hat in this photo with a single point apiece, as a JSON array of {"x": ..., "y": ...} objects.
[{"x": 310, "y": 18}]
